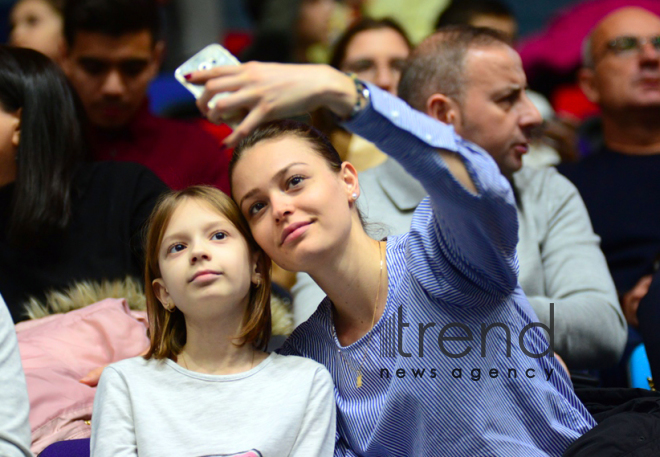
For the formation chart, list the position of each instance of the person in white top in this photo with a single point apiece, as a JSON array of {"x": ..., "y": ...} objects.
[
  {"x": 14, "y": 404},
  {"x": 206, "y": 387}
]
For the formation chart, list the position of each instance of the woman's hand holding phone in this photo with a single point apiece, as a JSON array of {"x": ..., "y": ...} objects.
[{"x": 267, "y": 91}]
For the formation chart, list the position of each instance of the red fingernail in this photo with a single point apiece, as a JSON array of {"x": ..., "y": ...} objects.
[{"x": 188, "y": 76}]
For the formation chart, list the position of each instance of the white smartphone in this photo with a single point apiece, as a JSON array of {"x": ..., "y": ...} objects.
[{"x": 211, "y": 56}]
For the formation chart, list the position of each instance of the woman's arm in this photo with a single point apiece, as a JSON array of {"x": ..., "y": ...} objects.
[
  {"x": 267, "y": 91},
  {"x": 113, "y": 428},
  {"x": 469, "y": 243},
  {"x": 472, "y": 202}
]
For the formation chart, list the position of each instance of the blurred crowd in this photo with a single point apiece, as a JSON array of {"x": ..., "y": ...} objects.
[{"x": 569, "y": 114}]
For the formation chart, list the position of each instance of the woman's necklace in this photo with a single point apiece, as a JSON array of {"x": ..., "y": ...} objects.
[{"x": 358, "y": 380}]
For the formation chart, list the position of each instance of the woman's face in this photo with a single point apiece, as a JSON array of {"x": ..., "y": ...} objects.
[
  {"x": 297, "y": 207},
  {"x": 9, "y": 138},
  {"x": 377, "y": 56},
  {"x": 35, "y": 24},
  {"x": 314, "y": 20}
]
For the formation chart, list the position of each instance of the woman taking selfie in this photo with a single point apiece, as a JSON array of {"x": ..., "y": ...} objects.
[{"x": 456, "y": 267}]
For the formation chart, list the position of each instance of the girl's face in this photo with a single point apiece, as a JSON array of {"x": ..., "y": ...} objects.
[
  {"x": 9, "y": 138},
  {"x": 296, "y": 206},
  {"x": 204, "y": 262},
  {"x": 35, "y": 24}
]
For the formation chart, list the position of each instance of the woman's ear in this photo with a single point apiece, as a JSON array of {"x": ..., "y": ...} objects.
[
  {"x": 161, "y": 293},
  {"x": 16, "y": 135},
  {"x": 349, "y": 176},
  {"x": 256, "y": 278}
]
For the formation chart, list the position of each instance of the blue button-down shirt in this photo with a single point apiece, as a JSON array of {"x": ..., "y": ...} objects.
[{"x": 452, "y": 276}]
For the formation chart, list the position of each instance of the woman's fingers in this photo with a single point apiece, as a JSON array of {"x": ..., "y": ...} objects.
[
  {"x": 229, "y": 84},
  {"x": 252, "y": 121},
  {"x": 92, "y": 378},
  {"x": 266, "y": 91},
  {"x": 200, "y": 77}
]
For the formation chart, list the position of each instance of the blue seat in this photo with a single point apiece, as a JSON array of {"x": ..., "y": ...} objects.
[
  {"x": 70, "y": 448},
  {"x": 165, "y": 92},
  {"x": 639, "y": 368}
]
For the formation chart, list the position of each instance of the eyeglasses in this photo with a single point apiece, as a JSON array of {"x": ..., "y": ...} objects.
[{"x": 624, "y": 45}]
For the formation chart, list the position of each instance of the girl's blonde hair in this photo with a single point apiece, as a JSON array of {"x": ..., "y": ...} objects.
[{"x": 167, "y": 330}]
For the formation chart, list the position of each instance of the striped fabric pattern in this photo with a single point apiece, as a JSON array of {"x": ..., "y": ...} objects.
[{"x": 453, "y": 275}]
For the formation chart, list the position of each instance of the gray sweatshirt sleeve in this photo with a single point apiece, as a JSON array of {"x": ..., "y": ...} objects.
[
  {"x": 317, "y": 432},
  {"x": 113, "y": 430},
  {"x": 589, "y": 328},
  {"x": 14, "y": 404}
]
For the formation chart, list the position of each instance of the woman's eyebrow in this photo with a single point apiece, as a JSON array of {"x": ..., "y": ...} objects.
[{"x": 276, "y": 177}]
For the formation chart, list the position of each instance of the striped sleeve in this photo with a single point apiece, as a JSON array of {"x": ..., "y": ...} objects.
[{"x": 467, "y": 244}]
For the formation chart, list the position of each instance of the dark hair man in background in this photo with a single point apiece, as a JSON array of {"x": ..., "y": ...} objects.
[{"x": 113, "y": 51}]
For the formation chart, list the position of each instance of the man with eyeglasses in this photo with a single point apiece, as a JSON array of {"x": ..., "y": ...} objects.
[{"x": 621, "y": 183}]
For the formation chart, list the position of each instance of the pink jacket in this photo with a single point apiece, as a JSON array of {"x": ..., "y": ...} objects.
[{"x": 59, "y": 350}]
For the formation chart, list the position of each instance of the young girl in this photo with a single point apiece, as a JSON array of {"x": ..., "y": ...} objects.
[
  {"x": 206, "y": 386},
  {"x": 400, "y": 329}
]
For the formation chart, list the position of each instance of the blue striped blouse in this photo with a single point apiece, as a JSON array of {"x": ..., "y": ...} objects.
[{"x": 437, "y": 381}]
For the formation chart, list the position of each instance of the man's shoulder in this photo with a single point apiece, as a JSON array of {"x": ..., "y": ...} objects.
[
  {"x": 116, "y": 175},
  {"x": 605, "y": 163},
  {"x": 113, "y": 169},
  {"x": 541, "y": 182},
  {"x": 190, "y": 131}
]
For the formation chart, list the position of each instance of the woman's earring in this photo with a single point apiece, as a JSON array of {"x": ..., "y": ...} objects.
[{"x": 354, "y": 196}]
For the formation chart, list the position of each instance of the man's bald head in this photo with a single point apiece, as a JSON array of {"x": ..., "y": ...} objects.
[
  {"x": 622, "y": 65},
  {"x": 436, "y": 66},
  {"x": 472, "y": 79},
  {"x": 618, "y": 22}
]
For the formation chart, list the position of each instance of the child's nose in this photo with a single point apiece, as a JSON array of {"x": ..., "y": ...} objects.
[{"x": 198, "y": 253}]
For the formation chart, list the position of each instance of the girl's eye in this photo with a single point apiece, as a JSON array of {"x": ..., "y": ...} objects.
[
  {"x": 254, "y": 209},
  {"x": 177, "y": 247},
  {"x": 219, "y": 236},
  {"x": 294, "y": 181}
]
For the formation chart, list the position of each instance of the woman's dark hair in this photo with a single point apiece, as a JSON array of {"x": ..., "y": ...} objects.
[
  {"x": 50, "y": 143},
  {"x": 282, "y": 128},
  {"x": 362, "y": 25}
]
